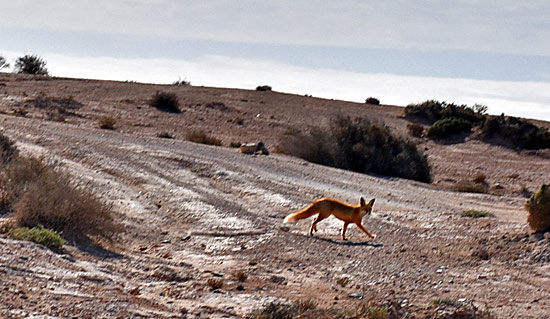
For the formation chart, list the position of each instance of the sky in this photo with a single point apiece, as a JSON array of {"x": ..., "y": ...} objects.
[{"x": 495, "y": 53}]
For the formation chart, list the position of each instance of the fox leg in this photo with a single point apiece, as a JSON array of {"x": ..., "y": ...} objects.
[
  {"x": 344, "y": 228},
  {"x": 317, "y": 219},
  {"x": 365, "y": 231}
]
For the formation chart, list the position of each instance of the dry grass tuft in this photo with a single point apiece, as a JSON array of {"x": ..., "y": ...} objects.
[
  {"x": 107, "y": 123},
  {"x": 215, "y": 283},
  {"x": 199, "y": 136},
  {"x": 39, "y": 194}
]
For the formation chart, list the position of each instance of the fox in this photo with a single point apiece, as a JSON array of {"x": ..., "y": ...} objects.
[{"x": 325, "y": 207}]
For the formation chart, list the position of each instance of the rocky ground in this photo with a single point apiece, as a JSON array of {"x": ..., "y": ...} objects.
[{"x": 194, "y": 215}]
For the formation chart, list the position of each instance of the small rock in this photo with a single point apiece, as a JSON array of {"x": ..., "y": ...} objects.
[
  {"x": 240, "y": 288},
  {"x": 356, "y": 295}
]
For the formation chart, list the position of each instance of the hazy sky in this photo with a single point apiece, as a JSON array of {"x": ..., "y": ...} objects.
[{"x": 400, "y": 51}]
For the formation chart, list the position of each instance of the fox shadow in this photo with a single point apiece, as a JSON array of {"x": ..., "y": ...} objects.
[{"x": 344, "y": 242}]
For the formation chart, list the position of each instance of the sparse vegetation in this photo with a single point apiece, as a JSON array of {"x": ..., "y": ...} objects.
[
  {"x": 107, "y": 123},
  {"x": 360, "y": 146},
  {"x": 538, "y": 207},
  {"x": 165, "y": 102},
  {"x": 64, "y": 105},
  {"x": 39, "y": 235},
  {"x": 479, "y": 178},
  {"x": 220, "y": 106},
  {"x": 263, "y": 88},
  {"x": 38, "y": 194},
  {"x": 31, "y": 64},
  {"x": 165, "y": 134},
  {"x": 472, "y": 213},
  {"x": 235, "y": 144},
  {"x": 373, "y": 101},
  {"x": 342, "y": 281},
  {"x": 199, "y": 136}
]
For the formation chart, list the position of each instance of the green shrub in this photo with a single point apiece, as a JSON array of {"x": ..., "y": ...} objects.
[
  {"x": 472, "y": 213},
  {"x": 38, "y": 194},
  {"x": 432, "y": 111},
  {"x": 373, "y": 101},
  {"x": 359, "y": 146},
  {"x": 31, "y": 64},
  {"x": 166, "y": 102},
  {"x": 39, "y": 235},
  {"x": 514, "y": 132},
  {"x": 538, "y": 207},
  {"x": 8, "y": 151},
  {"x": 201, "y": 137},
  {"x": 448, "y": 127}
]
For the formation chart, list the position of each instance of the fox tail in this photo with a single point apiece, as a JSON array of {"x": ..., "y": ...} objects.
[{"x": 301, "y": 214}]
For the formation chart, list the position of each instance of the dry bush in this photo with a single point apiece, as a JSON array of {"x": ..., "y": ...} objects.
[
  {"x": 8, "y": 151},
  {"x": 199, "y": 136},
  {"x": 538, "y": 207},
  {"x": 415, "y": 130},
  {"x": 342, "y": 281},
  {"x": 240, "y": 275},
  {"x": 166, "y": 102},
  {"x": 479, "y": 178},
  {"x": 514, "y": 133},
  {"x": 107, "y": 123},
  {"x": 38, "y": 194},
  {"x": 215, "y": 283},
  {"x": 61, "y": 105},
  {"x": 165, "y": 135},
  {"x": 471, "y": 187},
  {"x": 359, "y": 146},
  {"x": 373, "y": 101},
  {"x": 263, "y": 88}
]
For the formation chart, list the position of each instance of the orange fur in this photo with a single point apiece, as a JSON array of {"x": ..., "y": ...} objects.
[{"x": 325, "y": 207}]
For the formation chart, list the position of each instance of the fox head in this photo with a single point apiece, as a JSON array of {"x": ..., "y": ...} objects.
[{"x": 365, "y": 206}]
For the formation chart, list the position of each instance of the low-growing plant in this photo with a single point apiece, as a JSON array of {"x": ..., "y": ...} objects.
[
  {"x": 471, "y": 187},
  {"x": 39, "y": 235},
  {"x": 165, "y": 134},
  {"x": 240, "y": 275},
  {"x": 360, "y": 146},
  {"x": 472, "y": 213},
  {"x": 3, "y": 63},
  {"x": 215, "y": 283},
  {"x": 166, "y": 102},
  {"x": 199, "y": 136},
  {"x": 39, "y": 194},
  {"x": 479, "y": 178},
  {"x": 342, "y": 281},
  {"x": 8, "y": 151},
  {"x": 446, "y": 301},
  {"x": 538, "y": 207},
  {"x": 372, "y": 100},
  {"x": 235, "y": 144},
  {"x": 415, "y": 130},
  {"x": 448, "y": 127},
  {"x": 107, "y": 123}
]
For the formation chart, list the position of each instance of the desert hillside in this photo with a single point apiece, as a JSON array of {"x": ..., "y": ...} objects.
[{"x": 194, "y": 216}]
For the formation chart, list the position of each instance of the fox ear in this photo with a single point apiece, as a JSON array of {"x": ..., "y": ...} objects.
[
  {"x": 372, "y": 201},
  {"x": 362, "y": 201}
]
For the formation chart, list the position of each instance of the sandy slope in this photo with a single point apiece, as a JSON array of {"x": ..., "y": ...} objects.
[{"x": 193, "y": 212}]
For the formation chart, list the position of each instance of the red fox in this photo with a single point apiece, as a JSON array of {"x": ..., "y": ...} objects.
[{"x": 329, "y": 206}]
